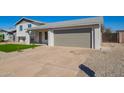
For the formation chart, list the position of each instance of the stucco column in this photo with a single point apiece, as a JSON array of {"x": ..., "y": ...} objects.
[
  {"x": 50, "y": 38},
  {"x": 27, "y": 40},
  {"x": 98, "y": 37}
]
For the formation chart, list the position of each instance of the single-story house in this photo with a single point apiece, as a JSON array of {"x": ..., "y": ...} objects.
[
  {"x": 5, "y": 34},
  {"x": 120, "y": 36},
  {"x": 73, "y": 33}
]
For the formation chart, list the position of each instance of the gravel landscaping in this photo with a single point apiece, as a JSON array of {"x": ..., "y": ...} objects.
[{"x": 109, "y": 62}]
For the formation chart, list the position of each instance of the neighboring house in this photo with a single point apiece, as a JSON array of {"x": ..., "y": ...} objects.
[
  {"x": 120, "y": 36},
  {"x": 12, "y": 35},
  {"x": 5, "y": 33},
  {"x": 74, "y": 33}
]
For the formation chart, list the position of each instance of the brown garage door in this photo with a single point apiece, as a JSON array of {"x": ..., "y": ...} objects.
[{"x": 73, "y": 38}]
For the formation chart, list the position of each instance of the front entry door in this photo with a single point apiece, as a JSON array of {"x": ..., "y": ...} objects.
[{"x": 40, "y": 37}]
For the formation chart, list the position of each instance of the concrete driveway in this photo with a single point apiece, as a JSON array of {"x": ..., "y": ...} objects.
[{"x": 43, "y": 61}]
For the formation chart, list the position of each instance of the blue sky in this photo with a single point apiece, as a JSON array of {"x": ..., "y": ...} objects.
[{"x": 113, "y": 22}]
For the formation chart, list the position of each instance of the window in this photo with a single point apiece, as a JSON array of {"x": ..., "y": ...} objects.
[
  {"x": 46, "y": 36},
  {"x": 29, "y": 25},
  {"x": 21, "y": 28}
]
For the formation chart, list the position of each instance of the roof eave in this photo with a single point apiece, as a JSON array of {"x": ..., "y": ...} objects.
[
  {"x": 54, "y": 28},
  {"x": 33, "y": 21}
]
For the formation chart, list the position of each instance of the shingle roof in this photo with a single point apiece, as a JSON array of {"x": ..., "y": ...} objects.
[
  {"x": 29, "y": 20},
  {"x": 2, "y": 30},
  {"x": 79, "y": 22}
]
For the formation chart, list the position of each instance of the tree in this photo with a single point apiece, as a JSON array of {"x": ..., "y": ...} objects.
[
  {"x": 108, "y": 35},
  {"x": 108, "y": 31}
]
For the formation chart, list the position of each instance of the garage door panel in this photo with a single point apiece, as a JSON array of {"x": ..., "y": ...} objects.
[
  {"x": 73, "y": 31},
  {"x": 74, "y": 35},
  {"x": 79, "y": 39}
]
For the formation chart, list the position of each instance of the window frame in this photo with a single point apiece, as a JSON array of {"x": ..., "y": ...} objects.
[
  {"x": 21, "y": 28},
  {"x": 29, "y": 25}
]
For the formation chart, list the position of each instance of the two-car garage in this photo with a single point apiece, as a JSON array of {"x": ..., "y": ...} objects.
[
  {"x": 84, "y": 33},
  {"x": 73, "y": 37}
]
